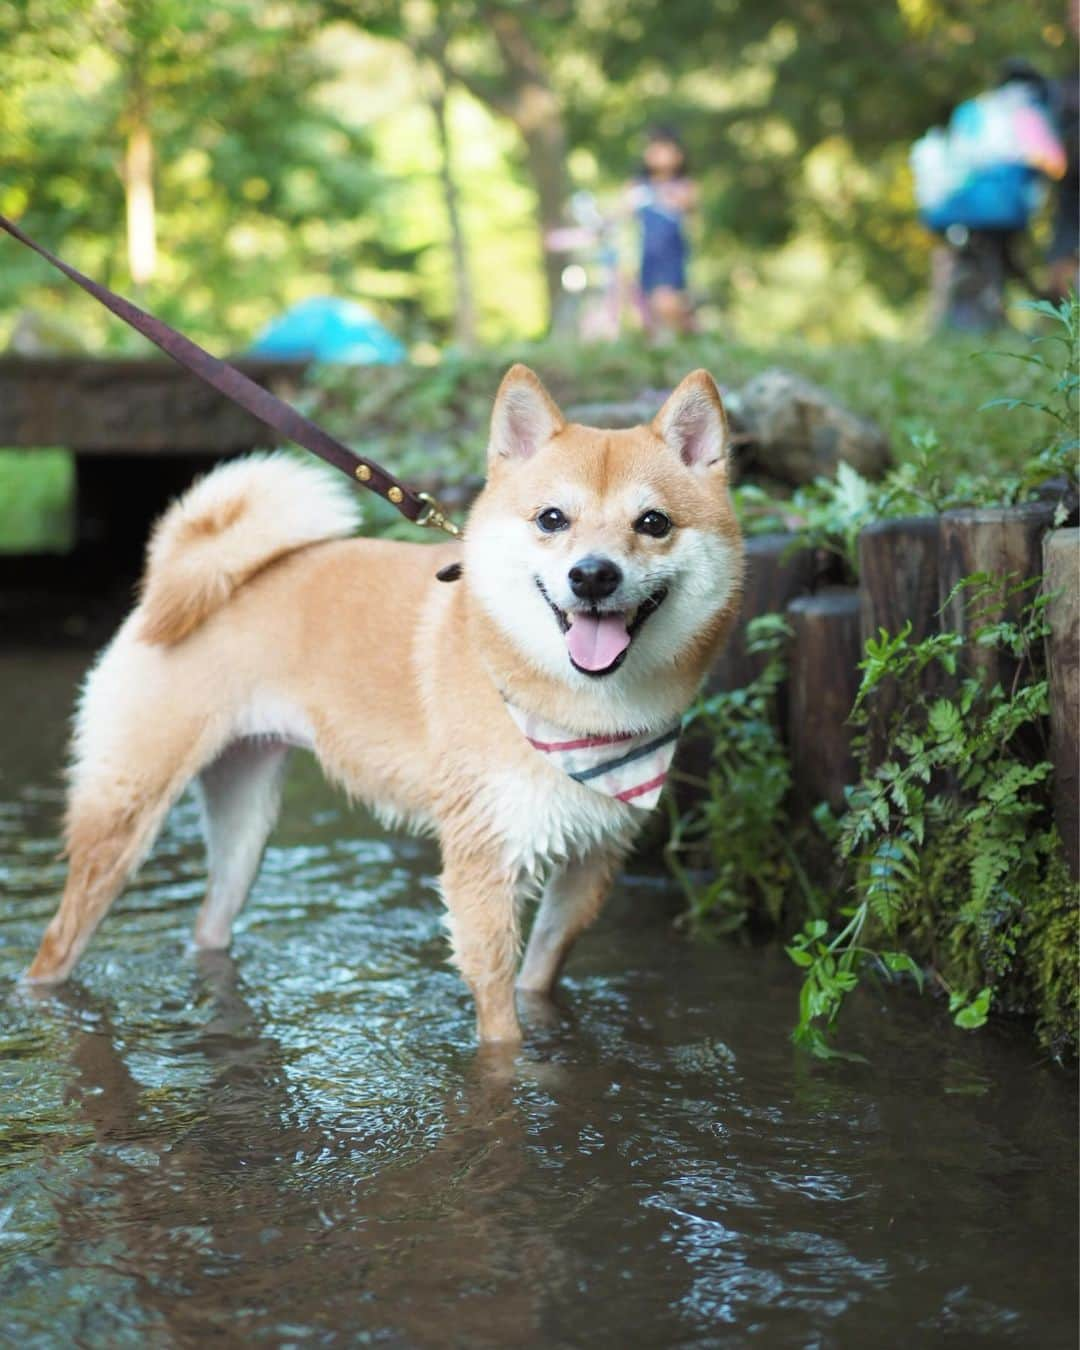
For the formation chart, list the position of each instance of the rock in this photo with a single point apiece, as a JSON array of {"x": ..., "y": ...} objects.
[
  {"x": 615, "y": 416},
  {"x": 796, "y": 431}
]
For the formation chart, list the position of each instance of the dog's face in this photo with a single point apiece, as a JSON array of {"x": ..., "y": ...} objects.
[{"x": 605, "y": 556}]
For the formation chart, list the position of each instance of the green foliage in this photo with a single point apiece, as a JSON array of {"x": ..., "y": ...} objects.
[
  {"x": 946, "y": 851},
  {"x": 36, "y": 489},
  {"x": 296, "y": 151},
  {"x": 798, "y": 120},
  {"x": 431, "y": 421},
  {"x": 260, "y": 184},
  {"x": 947, "y": 836},
  {"x": 740, "y": 830},
  {"x": 1060, "y": 456},
  {"x": 829, "y": 513}
]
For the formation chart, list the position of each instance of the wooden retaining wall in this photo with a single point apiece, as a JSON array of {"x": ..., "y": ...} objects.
[{"x": 909, "y": 568}]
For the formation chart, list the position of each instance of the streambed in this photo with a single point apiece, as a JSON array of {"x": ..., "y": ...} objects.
[{"x": 297, "y": 1144}]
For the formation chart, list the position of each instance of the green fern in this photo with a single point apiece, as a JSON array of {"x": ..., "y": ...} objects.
[{"x": 949, "y": 840}]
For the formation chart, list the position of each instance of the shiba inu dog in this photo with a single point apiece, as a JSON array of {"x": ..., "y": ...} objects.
[{"x": 526, "y": 715}]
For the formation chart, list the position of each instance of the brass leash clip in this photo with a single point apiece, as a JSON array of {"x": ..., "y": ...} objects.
[{"x": 434, "y": 517}]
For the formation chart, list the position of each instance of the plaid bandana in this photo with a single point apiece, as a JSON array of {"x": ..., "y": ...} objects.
[{"x": 632, "y": 768}]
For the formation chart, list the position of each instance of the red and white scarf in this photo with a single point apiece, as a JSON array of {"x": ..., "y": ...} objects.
[{"x": 632, "y": 766}]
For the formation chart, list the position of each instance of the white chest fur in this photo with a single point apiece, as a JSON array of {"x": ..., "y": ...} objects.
[{"x": 544, "y": 817}]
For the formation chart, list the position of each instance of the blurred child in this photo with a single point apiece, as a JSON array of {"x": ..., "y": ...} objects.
[{"x": 660, "y": 197}]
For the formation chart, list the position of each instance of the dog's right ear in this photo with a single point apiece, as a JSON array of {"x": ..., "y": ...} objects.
[{"x": 525, "y": 416}]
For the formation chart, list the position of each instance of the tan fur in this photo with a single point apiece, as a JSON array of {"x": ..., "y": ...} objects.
[
  {"x": 226, "y": 529},
  {"x": 255, "y": 621}
]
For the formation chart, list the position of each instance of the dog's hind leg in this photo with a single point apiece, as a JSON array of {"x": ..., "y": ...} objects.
[
  {"x": 241, "y": 794},
  {"x": 571, "y": 901},
  {"x": 144, "y": 729},
  {"x": 111, "y": 826}
]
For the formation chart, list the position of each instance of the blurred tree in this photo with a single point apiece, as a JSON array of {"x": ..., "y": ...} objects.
[
  {"x": 215, "y": 118},
  {"x": 429, "y": 50},
  {"x": 509, "y": 72},
  {"x": 502, "y": 54},
  {"x": 212, "y": 109},
  {"x": 799, "y": 113}
]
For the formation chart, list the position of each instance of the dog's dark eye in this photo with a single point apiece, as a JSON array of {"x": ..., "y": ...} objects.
[
  {"x": 654, "y": 523},
  {"x": 551, "y": 520}
]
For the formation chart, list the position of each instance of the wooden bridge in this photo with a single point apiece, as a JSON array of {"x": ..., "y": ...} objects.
[{"x": 140, "y": 431}]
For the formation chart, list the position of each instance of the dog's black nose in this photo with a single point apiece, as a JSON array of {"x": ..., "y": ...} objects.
[{"x": 594, "y": 578}]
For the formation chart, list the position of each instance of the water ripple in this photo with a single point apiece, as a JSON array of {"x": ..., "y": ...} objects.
[{"x": 298, "y": 1143}]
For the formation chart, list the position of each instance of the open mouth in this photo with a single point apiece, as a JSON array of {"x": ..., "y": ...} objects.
[{"x": 597, "y": 640}]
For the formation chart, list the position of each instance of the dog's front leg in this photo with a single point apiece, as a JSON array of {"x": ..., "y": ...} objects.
[
  {"x": 572, "y": 899},
  {"x": 481, "y": 896}
]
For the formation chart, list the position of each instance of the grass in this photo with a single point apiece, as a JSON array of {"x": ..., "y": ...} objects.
[
  {"x": 430, "y": 422},
  {"x": 36, "y": 493},
  {"x": 434, "y": 420}
]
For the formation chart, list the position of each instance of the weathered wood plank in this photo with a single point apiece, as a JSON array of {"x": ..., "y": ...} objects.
[
  {"x": 129, "y": 407},
  {"x": 824, "y": 681},
  {"x": 776, "y": 573},
  {"x": 1061, "y": 580},
  {"x": 1002, "y": 541},
  {"x": 898, "y": 576},
  {"x": 898, "y": 582}
]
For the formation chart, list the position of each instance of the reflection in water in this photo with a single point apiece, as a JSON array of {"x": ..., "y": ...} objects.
[
  {"x": 298, "y": 1144},
  {"x": 253, "y": 1191}
]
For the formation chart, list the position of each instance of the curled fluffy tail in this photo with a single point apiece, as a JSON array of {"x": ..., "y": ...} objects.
[{"x": 229, "y": 526}]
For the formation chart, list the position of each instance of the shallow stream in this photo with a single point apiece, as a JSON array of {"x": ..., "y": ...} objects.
[{"x": 298, "y": 1144}]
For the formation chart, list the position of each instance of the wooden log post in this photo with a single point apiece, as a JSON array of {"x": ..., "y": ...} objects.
[
  {"x": 898, "y": 576},
  {"x": 776, "y": 573},
  {"x": 824, "y": 681},
  {"x": 898, "y": 583},
  {"x": 1003, "y": 541},
  {"x": 1061, "y": 581}
]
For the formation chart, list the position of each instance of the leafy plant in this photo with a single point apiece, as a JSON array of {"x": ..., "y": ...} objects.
[
  {"x": 948, "y": 840},
  {"x": 946, "y": 849},
  {"x": 739, "y": 828},
  {"x": 1060, "y": 457},
  {"x": 829, "y": 513}
]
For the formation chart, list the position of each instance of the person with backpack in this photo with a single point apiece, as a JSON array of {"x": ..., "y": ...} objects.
[{"x": 978, "y": 183}]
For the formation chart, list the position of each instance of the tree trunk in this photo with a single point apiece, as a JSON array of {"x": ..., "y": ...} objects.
[
  {"x": 534, "y": 107},
  {"x": 464, "y": 304},
  {"x": 545, "y": 150},
  {"x": 139, "y": 193},
  {"x": 521, "y": 92}
]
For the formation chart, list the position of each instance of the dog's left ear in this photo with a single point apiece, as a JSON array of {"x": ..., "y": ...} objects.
[
  {"x": 525, "y": 416},
  {"x": 693, "y": 423}
]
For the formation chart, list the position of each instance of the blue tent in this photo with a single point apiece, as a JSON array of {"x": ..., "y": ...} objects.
[{"x": 326, "y": 329}]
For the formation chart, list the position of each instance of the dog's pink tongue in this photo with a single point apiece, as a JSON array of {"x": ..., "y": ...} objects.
[{"x": 595, "y": 640}]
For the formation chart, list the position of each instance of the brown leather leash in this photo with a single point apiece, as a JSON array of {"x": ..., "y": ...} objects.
[{"x": 419, "y": 507}]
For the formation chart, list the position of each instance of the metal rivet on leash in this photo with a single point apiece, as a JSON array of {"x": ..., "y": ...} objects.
[{"x": 363, "y": 472}]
